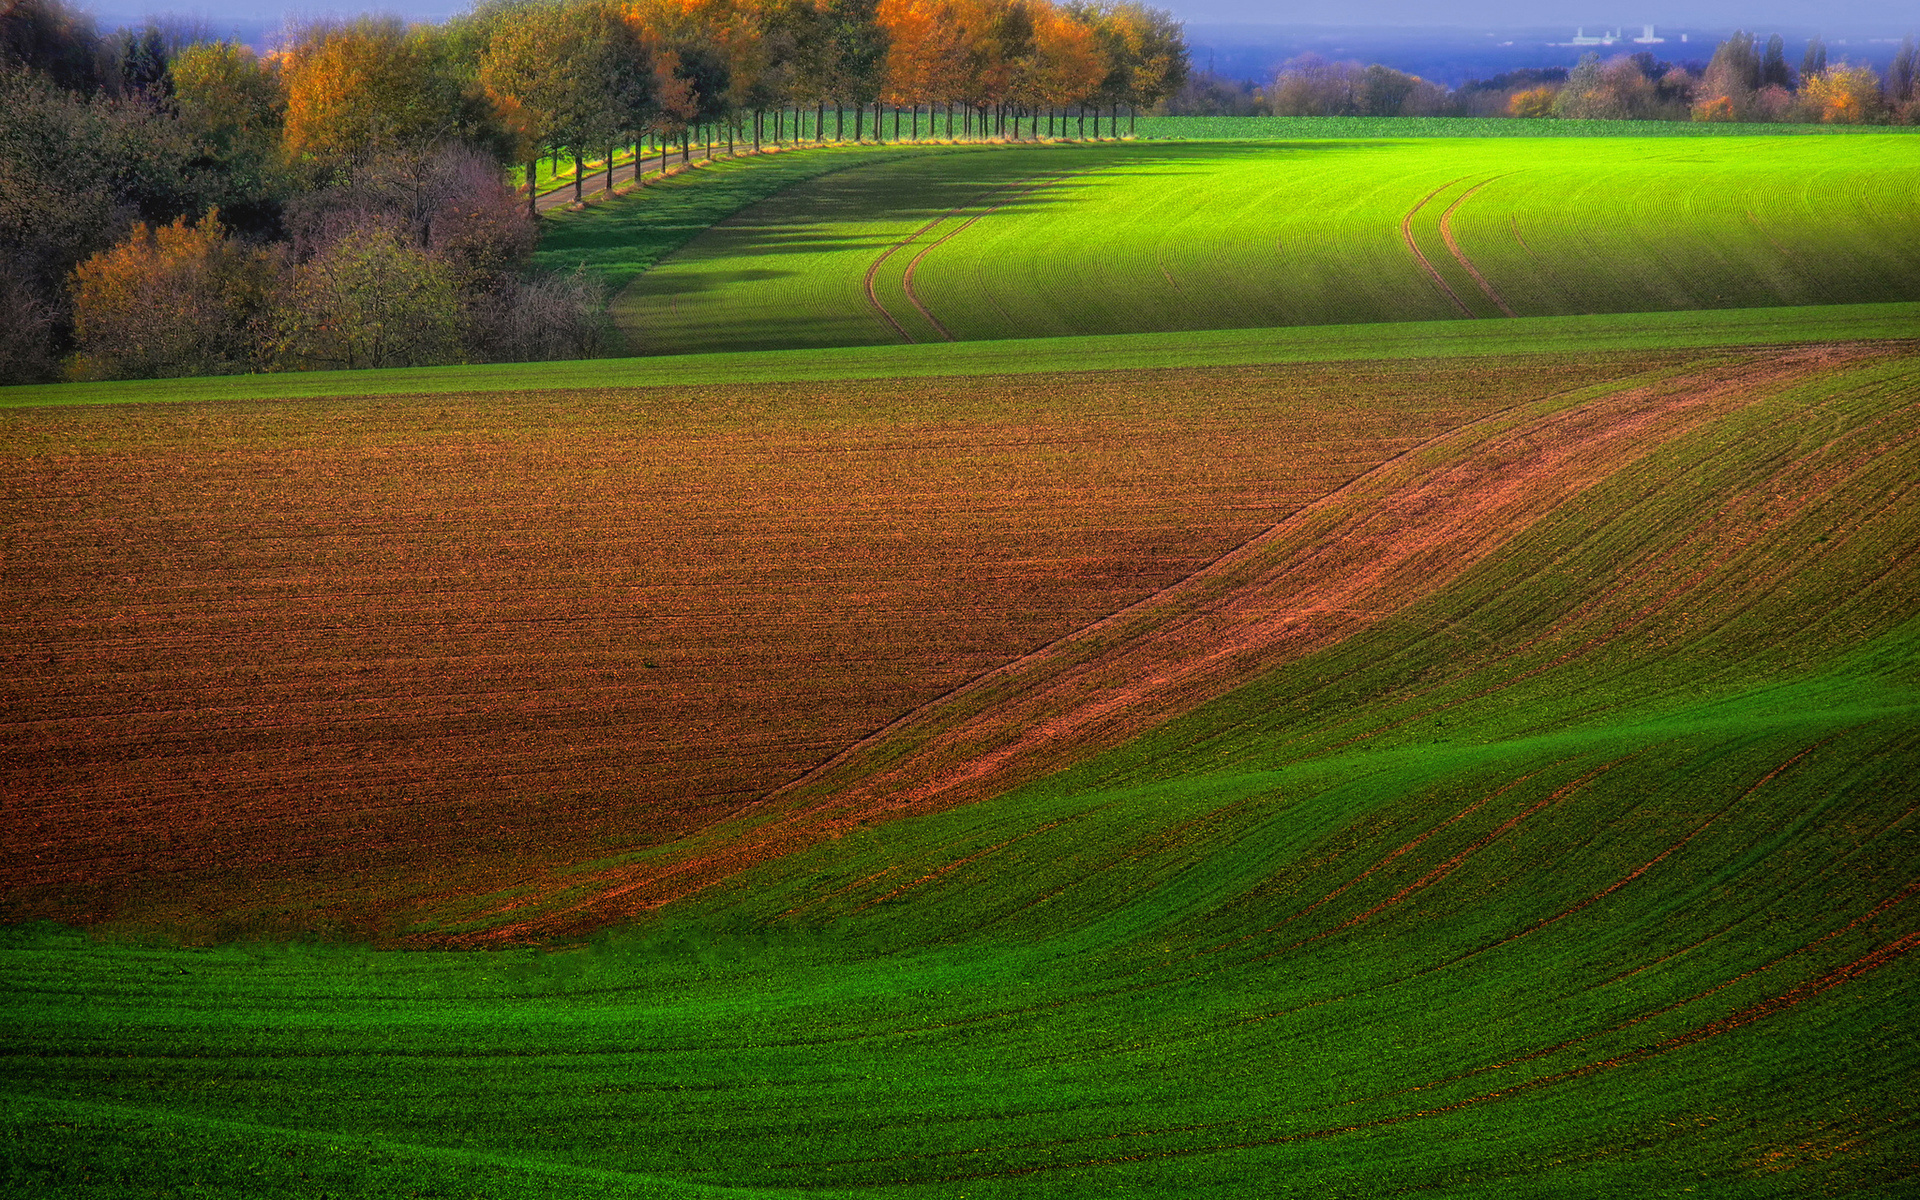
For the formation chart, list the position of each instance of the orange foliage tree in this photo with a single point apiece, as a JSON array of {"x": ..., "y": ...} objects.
[{"x": 177, "y": 300}]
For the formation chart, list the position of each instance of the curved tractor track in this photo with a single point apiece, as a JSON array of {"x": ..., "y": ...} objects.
[
  {"x": 1453, "y": 248},
  {"x": 1012, "y": 191}
]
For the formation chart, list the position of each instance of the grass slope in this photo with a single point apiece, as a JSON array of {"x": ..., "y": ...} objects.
[
  {"x": 1591, "y": 872},
  {"x": 1063, "y": 240}
]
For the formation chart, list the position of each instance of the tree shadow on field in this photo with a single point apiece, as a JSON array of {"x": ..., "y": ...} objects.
[
  {"x": 707, "y": 281},
  {"x": 870, "y": 209}
]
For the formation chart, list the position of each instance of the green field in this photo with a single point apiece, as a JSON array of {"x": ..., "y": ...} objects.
[
  {"x": 1418, "y": 756},
  {"x": 1151, "y": 236}
]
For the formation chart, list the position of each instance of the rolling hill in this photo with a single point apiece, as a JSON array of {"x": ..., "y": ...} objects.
[{"x": 1464, "y": 757}]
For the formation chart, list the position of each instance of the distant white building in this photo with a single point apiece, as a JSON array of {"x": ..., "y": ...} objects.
[
  {"x": 1580, "y": 38},
  {"x": 1646, "y": 37}
]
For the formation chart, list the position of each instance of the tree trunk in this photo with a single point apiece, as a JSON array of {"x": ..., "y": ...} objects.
[
  {"x": 579, "y": 174},
  {"x": 533, "y": 188},
  {"x": 859, "y": 116},
  {"x": 1133, "y": 114}
]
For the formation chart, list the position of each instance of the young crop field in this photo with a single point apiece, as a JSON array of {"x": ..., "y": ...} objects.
[
  {"x": 1061, "y": 240},
  {"x": 1451, "y": 776}
]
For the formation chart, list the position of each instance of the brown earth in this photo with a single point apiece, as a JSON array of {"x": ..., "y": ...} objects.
[{"x": 351, "y": 663}]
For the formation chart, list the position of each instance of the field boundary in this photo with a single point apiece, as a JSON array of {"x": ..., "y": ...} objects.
[{"x": 1896, "y": 323}]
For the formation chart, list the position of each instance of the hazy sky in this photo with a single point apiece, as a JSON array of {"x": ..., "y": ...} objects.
[
  {"x": 1531, "y": 14},
  {"x": 1895, "y": 16}
]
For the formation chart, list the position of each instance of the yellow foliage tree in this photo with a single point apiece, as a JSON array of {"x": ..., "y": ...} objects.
[
  {"x": 1843, "y": 95},
  {"x": 228, "y": 96},
  {"x": 370, "y": 87}
]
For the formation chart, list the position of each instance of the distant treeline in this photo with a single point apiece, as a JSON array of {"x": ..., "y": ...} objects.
[
  {"x": 1744, "y": 81},
  {"x": 172, "y": 205}
]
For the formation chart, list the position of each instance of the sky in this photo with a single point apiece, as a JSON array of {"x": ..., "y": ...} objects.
[{"x": 1884, "y": 17}]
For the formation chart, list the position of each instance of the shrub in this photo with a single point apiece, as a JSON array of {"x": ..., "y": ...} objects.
[
  {"x": 369, "y": 300},
  {"x": 539, "y": 319},
  {"x": 177, "y": 300}
]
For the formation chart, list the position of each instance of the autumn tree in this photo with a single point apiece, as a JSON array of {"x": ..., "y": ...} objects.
[
  {"x": 1310, "y": 86},
  {"x": 922, "y": 42},
  {"x": 232, "y": 105},
  {"x": 227, "y": 96},
  {"x": 854, "y": 64},
  {"x": 177, "y": 300},
  {"x": 1532, "y": 102},
  {"x": 1774, "y": 71},
  {"x": 1618, "y": 90},
  {"x": 572, "y": 74},
  {"x": 373, "y": 87},
  {"x": 1147, "y": 54},
  {"x": 75, "y": 172},
  {"x": 1844, "y": 95},
  {"x": 1732, "y": 79},
  {"x": 55, "y": 42},
  {"x": 1903, "y": 82},
  {"x": 1069, "y": 66},
  {"x": 1814, "y": 61}
]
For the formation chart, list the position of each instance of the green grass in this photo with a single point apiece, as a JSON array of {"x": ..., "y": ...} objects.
[
  {"x": 1153, "y": 236},
  {"x": 1592, "y": 874},
  {"x": 1274, "y": 128},
  {"x": 1213, "y": 348}
]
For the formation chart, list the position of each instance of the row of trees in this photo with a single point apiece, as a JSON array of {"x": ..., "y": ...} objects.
[
  {"x": 143, "y": 166},
  {"x": 1744, "y": 81},
  {"x": 586, "y": 74}
]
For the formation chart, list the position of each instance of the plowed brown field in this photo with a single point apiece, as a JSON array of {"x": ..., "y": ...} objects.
[{"x": 347, "y": 663}]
